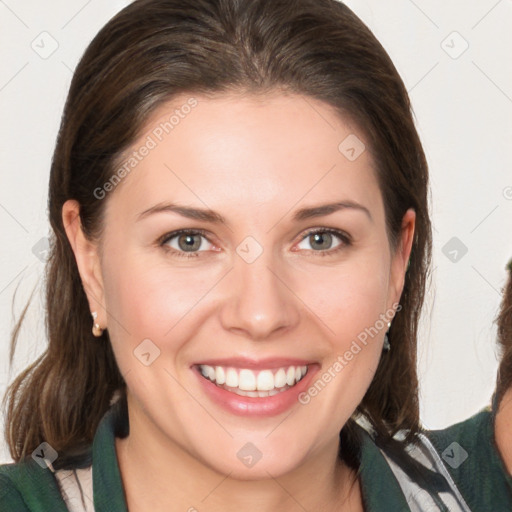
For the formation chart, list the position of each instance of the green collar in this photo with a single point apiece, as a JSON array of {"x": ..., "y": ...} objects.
[
  {"x": 36, "y": 487},
  {"x": 107, "y": 484},
  {"x": 482, "y": 477},
  {"x": 381, "y": 491}
]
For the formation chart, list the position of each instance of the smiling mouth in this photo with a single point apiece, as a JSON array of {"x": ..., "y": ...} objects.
[{"x": 245, "y": 382}]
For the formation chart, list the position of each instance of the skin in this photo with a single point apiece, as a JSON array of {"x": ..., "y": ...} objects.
[
  {"x": 255, "y": 160},
  {"x": 502, "y": 429}
]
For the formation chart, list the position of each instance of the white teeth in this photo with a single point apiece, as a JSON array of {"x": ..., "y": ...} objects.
[
  {"x": 232, "y": 378},
  {"x": 290, "y": 376},
  {"x": 254, "y": 394},
  {"x": 220, "y": 375},
  {"x": 246, "y": 382},
  {"x": 265, "y": 380},
  {"x": 280, "y": 378}
]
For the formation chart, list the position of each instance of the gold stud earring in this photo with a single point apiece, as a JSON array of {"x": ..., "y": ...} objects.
[{"x": 96, "y": 329}]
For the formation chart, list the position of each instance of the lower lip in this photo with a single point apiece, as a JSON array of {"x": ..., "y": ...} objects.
[{"x": 256, "y": 406}]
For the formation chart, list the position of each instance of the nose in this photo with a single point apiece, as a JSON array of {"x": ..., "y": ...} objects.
[{"x": 259, "y": 300}]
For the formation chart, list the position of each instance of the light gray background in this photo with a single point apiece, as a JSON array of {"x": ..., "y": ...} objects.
[{"x": 462, "y": 100}]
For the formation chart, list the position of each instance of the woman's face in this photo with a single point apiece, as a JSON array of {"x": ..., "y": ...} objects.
[{"x": 288, "y": 324}]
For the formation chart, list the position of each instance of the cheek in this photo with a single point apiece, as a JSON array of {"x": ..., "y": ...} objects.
[
  {"x": 149, "y": 301},
  {"x": 148, "y": 286},
  {"x": 348, "y": 299},
  {"x": 349, "y": 303}
]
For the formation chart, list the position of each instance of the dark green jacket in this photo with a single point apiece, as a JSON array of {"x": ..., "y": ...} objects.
[
  {"x": 471, "y": 457},
  {"x": 28, "y": 487}
]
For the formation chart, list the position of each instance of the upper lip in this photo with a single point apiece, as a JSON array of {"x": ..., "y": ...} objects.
[{"x": 256, "y": 364}]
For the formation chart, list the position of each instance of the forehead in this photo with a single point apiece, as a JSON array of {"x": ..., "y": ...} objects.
[{"x": 241, "y": 150}]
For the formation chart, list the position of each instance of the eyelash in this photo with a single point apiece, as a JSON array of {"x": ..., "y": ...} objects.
[{"x": 345, "y": 239}]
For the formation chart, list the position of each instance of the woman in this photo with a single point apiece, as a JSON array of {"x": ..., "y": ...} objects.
[
  {"x": 503, "y": 394},
  {"x": 208, "y": 149},
  {"x": 478, "y": 451}
]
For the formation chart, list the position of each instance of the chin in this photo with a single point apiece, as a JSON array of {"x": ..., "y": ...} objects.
[{"x": 252, "y": 471}]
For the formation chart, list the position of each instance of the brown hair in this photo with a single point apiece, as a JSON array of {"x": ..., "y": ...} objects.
[
  {"x": 150, "y": 52},
  {"x": 504, "y": 321}
]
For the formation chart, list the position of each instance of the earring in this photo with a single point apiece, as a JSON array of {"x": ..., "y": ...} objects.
[
  {"x": 387, "y": 346},
  {"x": 96, "y": 329}
]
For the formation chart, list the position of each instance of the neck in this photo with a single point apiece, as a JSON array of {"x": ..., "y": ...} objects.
[
  {"x": 503, "y": 430},
  {"x": 160, "y": 475}
]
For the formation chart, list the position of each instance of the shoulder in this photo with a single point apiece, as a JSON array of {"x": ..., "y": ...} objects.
[
  {"x": 11, "y": 498},
  {"x": 11, "y": 477},
  {"x": 466, "y": 442},
  {"x": 379, "y": 487},
  {"x": 470, "y": 432},
  {"x": 34, "y": 485},
  {"x": 405, "y": 476},
  {"x": 27, "y": 487},
  {"x": 470, "y": 454}
]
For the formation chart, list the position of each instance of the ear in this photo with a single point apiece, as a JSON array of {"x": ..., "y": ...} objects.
[
  {"x": 87, "y": 259},
  {"x": 400, "y": 258}
]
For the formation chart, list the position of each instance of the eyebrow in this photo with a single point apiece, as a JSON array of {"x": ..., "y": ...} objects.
[
  {"x": 327, "y": 209},
  {"x": 207, "y": 215}
]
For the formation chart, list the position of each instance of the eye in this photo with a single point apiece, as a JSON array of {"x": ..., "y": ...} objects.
[
  {"x": 188, "y": 243},
  {"x": 321, "y": 240},
  {"x": 185, "y": 242}
]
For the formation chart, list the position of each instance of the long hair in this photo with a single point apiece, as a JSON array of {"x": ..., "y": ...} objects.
[
  {"x": 504, "y": 322},
  {"x": 144, "y": 56}
]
